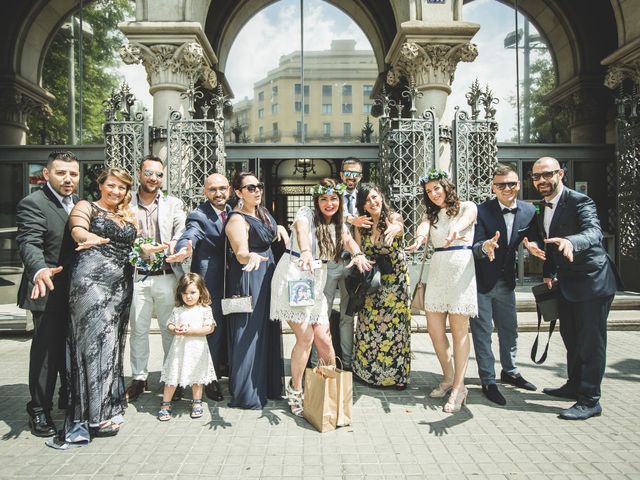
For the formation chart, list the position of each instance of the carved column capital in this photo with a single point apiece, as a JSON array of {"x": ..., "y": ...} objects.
[
  {"x": 430, "y": 64},
  {"x": 619, "y": 72},
  {"x": 170, "y": 64},
  {"x": 16, "y": 106}
]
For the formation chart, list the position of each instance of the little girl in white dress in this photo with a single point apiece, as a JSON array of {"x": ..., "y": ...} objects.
[{"x": 188, "y": 361}]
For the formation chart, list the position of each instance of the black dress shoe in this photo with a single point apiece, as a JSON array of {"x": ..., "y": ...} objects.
[
  {"x": 517, "y": 380},
  {"x": 177, "y": 395},
  {"x": 135, "y": 389},
  {"x": 40, "y": 423},
  {"x": 493, "y": 394},
  {"x": 212, "y": 391},
  {"x": 581, "y": 412},
  {"x": 563, "y": 392}
]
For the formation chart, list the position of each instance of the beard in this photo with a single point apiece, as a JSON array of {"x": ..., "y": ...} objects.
[{"x": 146, "y": 188}]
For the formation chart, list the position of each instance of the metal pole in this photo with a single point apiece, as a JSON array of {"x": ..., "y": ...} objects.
[
  {"x": 526, "y": 85},
  {"x": 302, "y": 69},
  {"x": 81, "y": 71},
  {"x": 517, "y": 73},
  {"x": 71, "y": 100}
]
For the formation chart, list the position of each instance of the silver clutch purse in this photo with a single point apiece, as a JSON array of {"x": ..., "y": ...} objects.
[{"x": 237, "y": 304}]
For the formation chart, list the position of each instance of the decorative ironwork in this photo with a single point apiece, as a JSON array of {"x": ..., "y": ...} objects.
[
  {"x": 367, "y": 130},
  {"x": 408, "y": 148},
  {"x": 126, "y": 131},
  {"x": 304, "y": 166},
  {"x": 628, "y": 175},
  {"x": 475, "y": 146},
  {"x": 195, "y": 146}
]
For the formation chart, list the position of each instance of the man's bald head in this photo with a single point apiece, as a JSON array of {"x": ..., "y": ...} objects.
[
  {"x": 216, "y": 189},
  {"x": 551, "y": 162}
]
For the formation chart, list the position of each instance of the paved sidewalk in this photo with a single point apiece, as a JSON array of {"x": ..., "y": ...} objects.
[{"x": 394, "y": 434}]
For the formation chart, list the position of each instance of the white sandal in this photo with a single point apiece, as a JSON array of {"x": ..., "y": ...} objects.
[{"x": 294, "y": 399}]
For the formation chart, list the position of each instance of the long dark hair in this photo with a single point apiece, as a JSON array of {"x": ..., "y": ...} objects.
[
  {"x": 451, "y": 200},
  {"x": 192, "y": 279},
  {"x": 328, "y": 249},
  {"x": 364, "y": 189},
  {"x": 261, "y": 212}
]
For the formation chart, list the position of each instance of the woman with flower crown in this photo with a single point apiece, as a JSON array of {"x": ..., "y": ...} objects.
[
  {"x": 451, "y": 283},
  {"x": 318, "y": 235}
]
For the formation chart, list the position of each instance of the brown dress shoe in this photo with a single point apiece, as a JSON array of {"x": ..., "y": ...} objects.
[{"x": 135, "y": 389}]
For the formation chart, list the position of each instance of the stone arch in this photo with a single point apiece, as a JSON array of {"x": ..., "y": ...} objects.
[{"x": 227, "y": 17}]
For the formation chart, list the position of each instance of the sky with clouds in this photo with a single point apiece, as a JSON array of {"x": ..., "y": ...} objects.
[{"x": 275, "y": 31}]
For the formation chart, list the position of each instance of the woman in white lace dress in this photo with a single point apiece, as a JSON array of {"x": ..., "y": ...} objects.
[
  {"x": 451, "y": 283},
  {"x": 302, "y": 270}
]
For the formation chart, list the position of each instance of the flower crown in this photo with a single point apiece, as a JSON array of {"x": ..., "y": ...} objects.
[
  {"x": 434, "y": 174},
  {"x": 318, "y": 190}
]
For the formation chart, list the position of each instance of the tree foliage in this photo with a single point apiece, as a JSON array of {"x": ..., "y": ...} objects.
[
  {"x": 548, "y": 124},
  {"x": 100, "y": 59}
]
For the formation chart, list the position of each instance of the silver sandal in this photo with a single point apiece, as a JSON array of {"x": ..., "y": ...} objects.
[{"x": 295, "y": 400}]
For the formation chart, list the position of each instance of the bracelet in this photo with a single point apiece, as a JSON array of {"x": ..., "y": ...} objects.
[{"x": 356, "y": 254}]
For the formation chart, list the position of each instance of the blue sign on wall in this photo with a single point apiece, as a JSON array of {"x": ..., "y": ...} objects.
[{"x": 436, "y": 1}]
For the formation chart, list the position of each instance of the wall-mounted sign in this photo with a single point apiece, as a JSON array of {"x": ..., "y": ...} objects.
[{"x": 436, "y": 1}]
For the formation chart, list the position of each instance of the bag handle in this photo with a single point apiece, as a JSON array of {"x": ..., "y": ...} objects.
[
  {"x": 424, "y": 259},
  {"x": 224, "y": 276},
  {"x": 534, "y": 348}
]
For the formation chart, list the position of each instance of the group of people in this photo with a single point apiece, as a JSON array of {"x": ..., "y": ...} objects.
[{"x": 93, "y": 269}]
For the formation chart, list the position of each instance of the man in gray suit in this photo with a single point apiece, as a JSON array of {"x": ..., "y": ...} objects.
[
  {"x": 161, "y": 218},
  {"x": 47, "y": 252}
]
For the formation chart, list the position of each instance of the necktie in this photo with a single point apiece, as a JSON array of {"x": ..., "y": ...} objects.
[
  {"x": 547, "y": 204},
  {"x": 223, "y": 216},
  {"x": 67, "y": 203},
  {"x": 350, "y": 204},
  {"x": 510, "y": 210}
]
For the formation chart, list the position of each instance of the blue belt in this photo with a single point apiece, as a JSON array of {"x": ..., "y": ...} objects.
[
  {"x": 296, "y": 254},
  {"x": 455, "y": 247}
]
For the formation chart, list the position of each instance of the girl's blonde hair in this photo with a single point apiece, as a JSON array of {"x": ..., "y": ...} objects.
[{"x": 192, "y": 279}]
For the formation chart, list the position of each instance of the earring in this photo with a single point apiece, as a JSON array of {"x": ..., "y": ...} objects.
[{"x": 240, "y": 204}]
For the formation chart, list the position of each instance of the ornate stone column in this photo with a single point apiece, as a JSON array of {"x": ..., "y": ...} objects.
[
  {"x": 585, "y": 100},
  {"x": 175, "y": 55},
  {"x": 18, "y": 101}
]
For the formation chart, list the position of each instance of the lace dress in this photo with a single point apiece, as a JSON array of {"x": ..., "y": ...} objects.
[
  {"x": 99, "y": 300},
  {"x": 189, "y": 360},
  {"x": 287, "y": 269},
  {"x": 382, "y": 346},
  {"x": 451, "y": 282}
]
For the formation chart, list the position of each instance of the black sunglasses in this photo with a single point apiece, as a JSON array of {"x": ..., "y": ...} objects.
[
  {"x": 251, "y": 188},
  {"x": 503, "y": 185},
  {"x": 545, "y": 175}
]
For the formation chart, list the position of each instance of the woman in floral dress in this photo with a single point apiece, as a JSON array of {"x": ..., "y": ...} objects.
[{"x": 382, "y": 347}]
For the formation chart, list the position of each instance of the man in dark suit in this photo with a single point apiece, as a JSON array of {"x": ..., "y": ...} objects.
[
  {"x": 204, "y": 235},
  {"x": 46, "y": 250},
  {"x": 587, "y": 281},
  {"x": 502, "y": 224}
]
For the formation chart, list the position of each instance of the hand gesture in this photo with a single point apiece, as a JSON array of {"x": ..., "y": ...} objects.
[
  {"x": 305, "y": 262},
  {"x": 282, "y": 235},
  {"x": 182, "y": 254},
  {"x": 390, "y": 232},
  {"x": 363, "y": 221},
  {"x": 92, "y": 242},
  {"x": 415, "y": 245},
  {"x": 564, "y": 246},
  {"x": 361, "y": 262},
  {"x": 453, "y": 236},
  {"x": 534, "y": 249},
  {"x": 549, "y": 282},
  {"x": 149, "y": 249},
  {"x": 43, "y": 281},
  {"x": 254, "y": 262},
  {"x": 489, "y": 246}
]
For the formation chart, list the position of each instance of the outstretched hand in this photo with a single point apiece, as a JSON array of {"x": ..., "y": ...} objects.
[
  {"x": 392, "y": 230},
  {"x": 534, "y": 249},
  {"x": 182, "y": 254},
  {"x": 489, "y": 246},
  {"x": 564, "y": 246},
  {"x": 361, "y": 263},
  {"x": 453, "y": 236},
  {"x": 254, "y": 262},
  {"x": 93, "y": 242},
  {"x": 363, "y": 221},
  {"x": 44, "y": 281}
]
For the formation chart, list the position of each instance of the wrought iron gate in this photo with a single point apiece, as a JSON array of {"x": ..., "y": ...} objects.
[
  {"x": 628, "y": 178},
  {"x": 408, "y": 148}
]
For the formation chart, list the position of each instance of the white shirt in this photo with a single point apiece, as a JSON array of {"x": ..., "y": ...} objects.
[
  {"x": 549, "y": 212},
  {"x": 67, "y": 206},
  {"x": 508, "y": 219}
]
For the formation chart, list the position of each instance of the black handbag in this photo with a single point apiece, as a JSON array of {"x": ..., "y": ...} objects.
[{"x": 547, "y": 308}]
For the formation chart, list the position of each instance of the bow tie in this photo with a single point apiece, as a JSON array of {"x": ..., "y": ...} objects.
[
  {"x": 547, "y": 204},
  {"x": 510, "y": 210}
]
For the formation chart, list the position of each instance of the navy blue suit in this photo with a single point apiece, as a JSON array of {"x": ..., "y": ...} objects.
[
  {"x": 587, "y": 287},
  {"x": 496, "y": 282},
  {"x": 205, "y": 229}
]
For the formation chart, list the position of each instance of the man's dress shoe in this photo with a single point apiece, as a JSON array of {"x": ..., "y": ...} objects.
[
  {"x": 517, "y": 380},
  {"x": 135, "y": 389},
  {"x": 493, "y": 394},
  {"x": 40, "y": 424},
  {"x": 563, "y": 392},
  {"x": 213, "y": 391},
  {"x": 581, "y": 412}
]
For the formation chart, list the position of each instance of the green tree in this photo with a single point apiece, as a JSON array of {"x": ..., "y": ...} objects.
[
  {"x": 548, "y": 124},
  {"x": 100, "y": 59}
]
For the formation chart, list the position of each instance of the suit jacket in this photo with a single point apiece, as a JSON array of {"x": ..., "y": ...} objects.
[
  {"x": 171, "y": 219},
  {"x": 44, "y": 241},
  {"x": 592, "y": 273},
  {"x": 490, "y": 220},
  {"x": 206, "y": 231}
]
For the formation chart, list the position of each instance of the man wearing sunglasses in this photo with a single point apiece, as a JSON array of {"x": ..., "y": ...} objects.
[
  {"x": 502, "y": 224},
  {"x": 587, "y": 281},
  {"x": 161, "y": 218}
]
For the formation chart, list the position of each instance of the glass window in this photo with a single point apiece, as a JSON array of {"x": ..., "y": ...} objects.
[
  {"x": 327, "y": 90},
  {"x": 261, "y": 96},
  {"x": 274, "y": 91},
  {"x": 327, "y": 108},
  {"x": 261, "y": 113},
  {"x": 347, "y": 108},
  {"x": 366, "y": 91},
  {"x": 274, "y": 108},
  {"x": 346, "y": 129},
  {"x": 261, "y": 133},
  {"x": 366, "y": 108},
  {"x": 346, "y": 90},
  {"x": 326, "y": 129}
]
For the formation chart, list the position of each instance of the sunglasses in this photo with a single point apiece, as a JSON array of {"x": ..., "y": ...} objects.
[
  {"x": 251, "y": 188},
  {"x": 151, "y": 173},
  {"x": 546, "y": 175},
  {"x": 505, "y": 185},
  {"x": 351, "y": 174}
]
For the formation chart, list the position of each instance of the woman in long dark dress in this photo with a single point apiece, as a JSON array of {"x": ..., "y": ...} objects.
[
  {"x": 255, "y": 343},
  {"x": 99, "y": 299}
]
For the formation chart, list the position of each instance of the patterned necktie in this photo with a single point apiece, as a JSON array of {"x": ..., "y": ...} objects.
[
  {"x": 67, "y": 203},
  {"x": 223, "y": 216}
]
